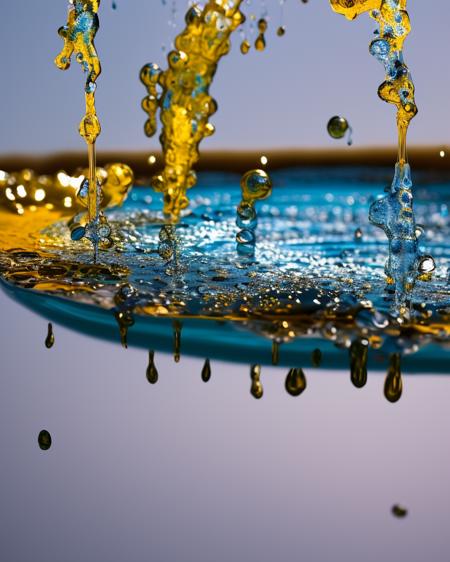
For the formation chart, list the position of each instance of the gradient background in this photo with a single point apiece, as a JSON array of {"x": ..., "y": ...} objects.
[{"x": 185, "y": 471}]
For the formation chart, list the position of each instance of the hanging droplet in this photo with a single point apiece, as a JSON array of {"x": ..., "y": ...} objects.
[
  {"x": 399, "y": 511},
  {"x": 177, "y": 326},
  {"x": 393, "y": 385},
  {"x": 125, "y": 320},
  {"x": 50, "y": 339},
  {"x": 260, "y": 43},
  {"x": 206, "y": 371},
  {"x": 295, "y": 382},
  {"x": 316, "y": 358},
  {"x": 256, "y": 389},
  {"x": 338, "y": 127},
  {"x": 152, "y": 371},
  {"x": 114, "y": 5},
  {"x": 44, "y": 440},
  {"x": 358, "y": 235},
  {"x": 245, "y": 47},
  {"x": 275, "y": 352},
  {"x": 281, "y": 31},
  {"x": 358, "y": 363}
]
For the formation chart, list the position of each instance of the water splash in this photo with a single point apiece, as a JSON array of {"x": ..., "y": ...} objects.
[
  {"x": 394, "y": 212},
  {"x": 255, "y": 186},
  {"x": 50, "y": 339},
  {"x": 78, "y": 35},
  {"x": 185, "y": 104}
]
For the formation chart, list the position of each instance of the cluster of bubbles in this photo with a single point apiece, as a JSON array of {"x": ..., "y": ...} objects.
[{"x": 255, "y": 186}]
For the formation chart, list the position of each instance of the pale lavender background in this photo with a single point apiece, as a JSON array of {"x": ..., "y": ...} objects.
[
  {"x": 185, "y": 471},
  {"x": 282, "y": 97}
]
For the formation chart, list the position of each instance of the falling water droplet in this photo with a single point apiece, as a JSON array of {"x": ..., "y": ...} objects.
[
  {"x": 256, "y": 390},
  {"x": 358, "y": 363},
  {"x": 177, "y": 326},
  {"x": 338, "y": 127},
  {"x": 295, "y": 382},
  {"x": 152, "y": 371},
  {"x": 393, "y": 385},
  {"x": 399, "y": 511},
  {"x": 44, "y": 440},
  {"x": 50, "y": 339},
  {"x": 245, "y": 47},
  {"x": 206, "y": 371}
]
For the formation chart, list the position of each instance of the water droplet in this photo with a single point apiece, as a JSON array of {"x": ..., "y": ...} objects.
[
  {"x": 338, "y": 127},
  {"x": 44, "y": 440},
  {"x": 245, "y": 47},
  {"x": 295, "y": 382},
  {"x": 50, "y": 339},
  {"x": 256, "y": 389},
  {"x": 281, "y": 31},
  {"x": 358, "y": 363},
  {"x": 399, "y": 511},
  {"x": 393, "y": 385},
  {"x": 152, "y": 371},
  {"x": 206, "y": 371}
]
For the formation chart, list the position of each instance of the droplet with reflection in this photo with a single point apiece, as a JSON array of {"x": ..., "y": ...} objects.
[
  {"x": 152, "y": 371},
  {"x": 295, "y": 382}
]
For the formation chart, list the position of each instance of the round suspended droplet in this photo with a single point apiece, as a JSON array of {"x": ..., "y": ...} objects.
[
  {"x": 337, "y": 127},
  {"x": 44, "y": 440},
  {"x": 256, "y": 184},
  {"x": 281, "y": 31},
  {"x": 245, "y": 47}
]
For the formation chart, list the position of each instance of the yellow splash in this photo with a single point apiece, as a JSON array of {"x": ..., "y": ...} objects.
[
  {"x": 78, "y": 35},
  {"x": 25, "y": 192},
  {"x": 394, "y": 27},
  {"x": 185, "y": 104}
]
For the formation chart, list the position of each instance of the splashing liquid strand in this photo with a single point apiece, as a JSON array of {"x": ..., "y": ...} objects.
[
  {"x": 256, "y": 389},
  {"x": 152, "y": 371},
  {"x": 394, "y": 212},
  {"x": 255, "y": 186},
  {"x": 78, "y": 35},
  {"x": 206, "y": 371},
  {"x": 393, "y": 386},
  {"x": 358, "y": 363},
  {"x": 295, "y": 382},
  {"x": 185, "y": 104},
  {"x": 50, "y": 339},
  {"x": 44, "y": 440}
]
